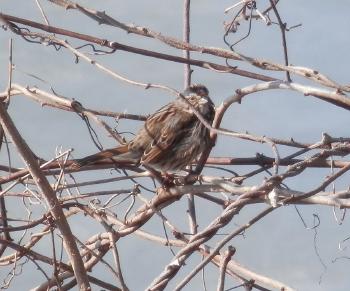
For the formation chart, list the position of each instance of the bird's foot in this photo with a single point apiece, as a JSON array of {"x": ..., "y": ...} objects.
[{"x": 168, "y": 180}]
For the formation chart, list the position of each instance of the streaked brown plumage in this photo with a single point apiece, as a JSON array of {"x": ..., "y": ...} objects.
[{"x": 170, "y": 139}]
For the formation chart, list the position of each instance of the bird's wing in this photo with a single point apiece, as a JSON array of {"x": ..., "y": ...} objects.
[
  {"x": 165, "y": 128},
  {"x": 103, "y": 155}
]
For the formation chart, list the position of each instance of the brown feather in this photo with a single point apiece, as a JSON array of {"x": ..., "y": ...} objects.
[
  {"x": 98, "y": 157},
  {"x": 170, "y": 139}
]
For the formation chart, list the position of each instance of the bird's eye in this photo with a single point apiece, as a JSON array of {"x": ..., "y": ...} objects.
[{"x": 202, "y": 92}]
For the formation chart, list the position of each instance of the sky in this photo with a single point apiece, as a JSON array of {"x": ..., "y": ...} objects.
[{"x": 279, "y": 246}]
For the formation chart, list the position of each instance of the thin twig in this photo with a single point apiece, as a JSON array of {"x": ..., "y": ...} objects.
[
  {"x": 284, "y": 41},
  {"x": 45, "y": 188},
  {"x": 119, "y": 46},
  {"x": 186, "y": 39},
  {"x": 117, "y": 261},
  {"x": 226, "y": 257},
  {"x": 220, "y": 245},
  {"x": 42, "y": 12}
]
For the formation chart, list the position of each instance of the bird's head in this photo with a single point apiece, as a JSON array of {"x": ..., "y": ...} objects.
[
  {"x": 197, "y": 89},
  {"x": 198, "y": 96}
]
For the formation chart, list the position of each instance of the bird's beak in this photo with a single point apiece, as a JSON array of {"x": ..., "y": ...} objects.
[{"x": 203, "y": 101}]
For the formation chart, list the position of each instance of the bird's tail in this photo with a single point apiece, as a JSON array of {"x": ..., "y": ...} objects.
[{"x": 98, "y": 157}]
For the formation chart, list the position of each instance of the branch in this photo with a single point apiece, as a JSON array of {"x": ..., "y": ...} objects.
[
  {"x": 50, "y": 196},
  {"x": 216, "y": 250},
  {"x": 119, "y": 46},
  {"x": 225, "y": 258},
  {"x": 102, "y": 18},
  {"x": 283, "y": 32}
]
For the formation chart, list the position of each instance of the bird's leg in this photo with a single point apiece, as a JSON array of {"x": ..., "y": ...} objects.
[
  {"x": 165, "y": 179},
  {"x": 168, "y": 180},
  {"x": 191, "y": 177}
]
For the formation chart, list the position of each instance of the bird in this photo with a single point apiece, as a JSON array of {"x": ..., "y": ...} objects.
[{"x": 170, "y": 139}]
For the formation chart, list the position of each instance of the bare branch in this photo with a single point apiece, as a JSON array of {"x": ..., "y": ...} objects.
[{"x": 50, "y": 197}]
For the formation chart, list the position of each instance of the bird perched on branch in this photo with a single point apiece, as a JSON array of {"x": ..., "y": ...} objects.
[{"x": 170, "y": 139}]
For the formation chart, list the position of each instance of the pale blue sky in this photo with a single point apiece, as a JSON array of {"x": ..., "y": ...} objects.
[{"x": 278, "y": 246}]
